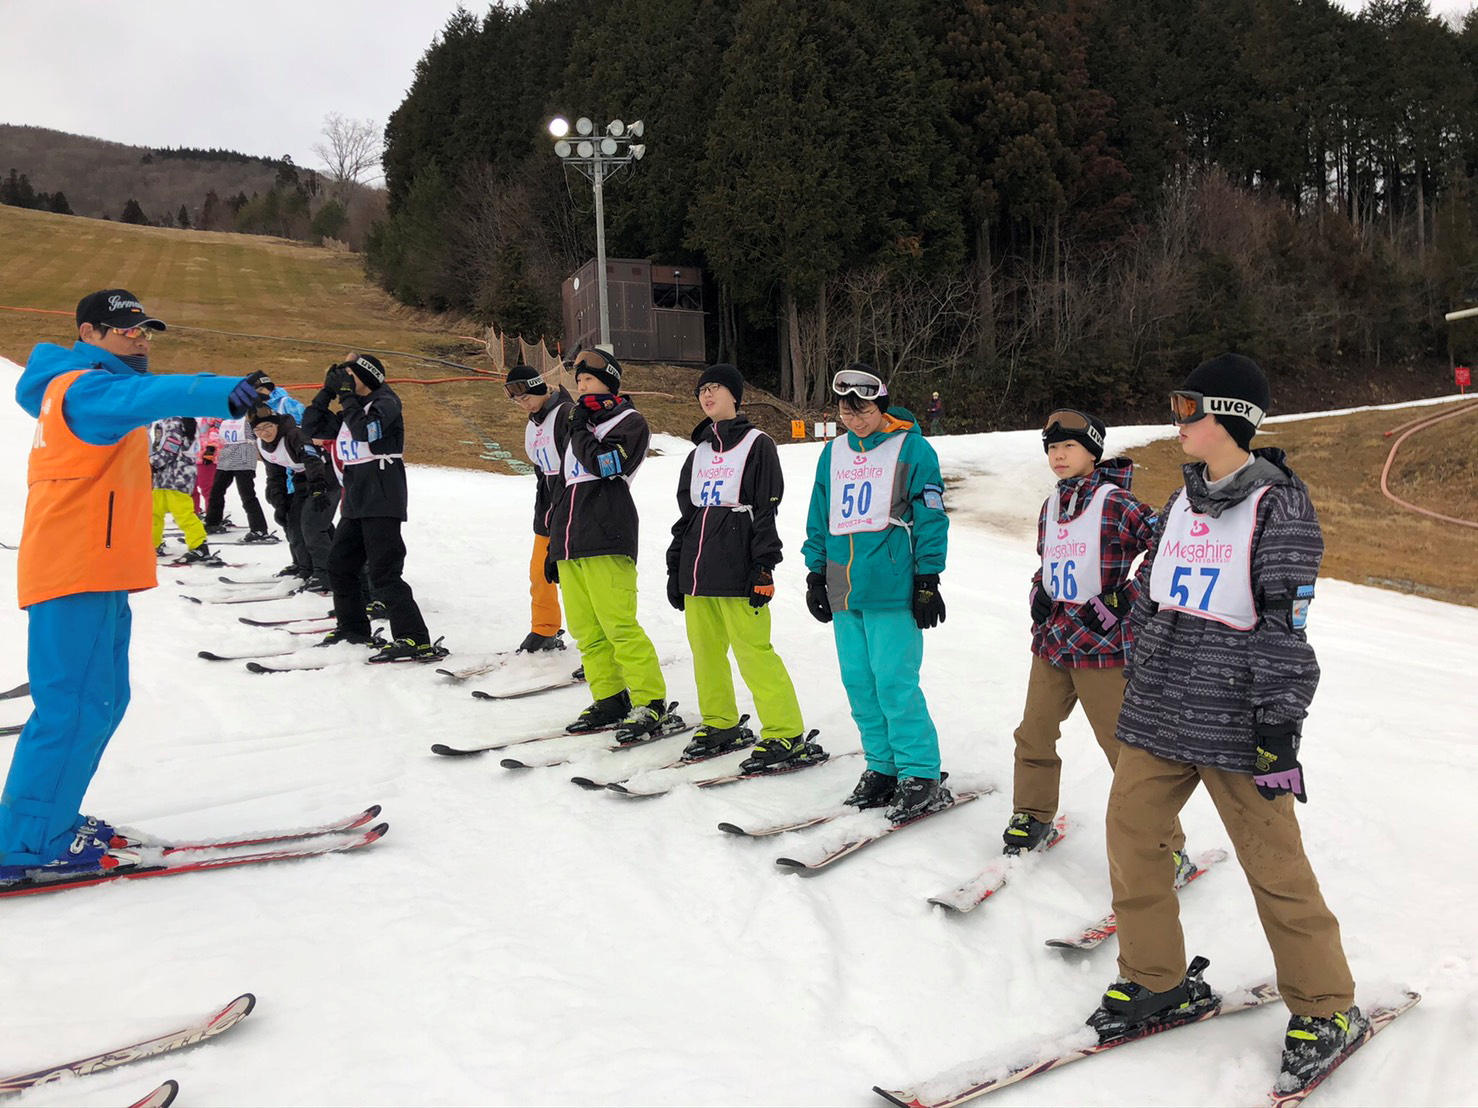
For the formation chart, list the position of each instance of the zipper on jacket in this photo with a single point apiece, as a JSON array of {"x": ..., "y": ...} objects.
[
  {"x": 109, "y": 542},
  {"x": 698, "y": 554}
]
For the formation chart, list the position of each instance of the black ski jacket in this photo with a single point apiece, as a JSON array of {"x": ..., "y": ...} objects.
[
  {"x": 594, "y": 518},
  {"x": 548, "y": 487},
  {"x": 303, "y": 451},
  {"x": 715, "y": 549},
  {"x": 377, "y": 489}
]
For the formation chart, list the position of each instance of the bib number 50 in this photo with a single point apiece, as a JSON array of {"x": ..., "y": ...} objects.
[{"x": 858, "y": 503}]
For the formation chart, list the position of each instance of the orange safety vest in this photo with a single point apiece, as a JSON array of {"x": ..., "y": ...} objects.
[{"x": 89, "y": 512}]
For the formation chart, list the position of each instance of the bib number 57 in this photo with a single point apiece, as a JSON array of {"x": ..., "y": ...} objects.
[{"x": 1180, "y": 591}]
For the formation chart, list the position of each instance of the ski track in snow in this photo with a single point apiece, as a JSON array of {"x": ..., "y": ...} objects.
[{"x": 517, "y": 940}]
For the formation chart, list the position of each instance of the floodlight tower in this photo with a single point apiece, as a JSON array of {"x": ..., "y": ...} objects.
[{"x": 599, "y": 158}]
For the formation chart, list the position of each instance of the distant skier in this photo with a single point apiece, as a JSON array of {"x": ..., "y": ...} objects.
[
  {"x": 236, "y": 464},
  {"x": 876, "y": 538},
  {"x": 1089, "y": 532},
  {"x": 1220, "y": 680},
  {"x": 546, "y": 408},
  {"x": 298, "y": 490},
  {"x": 85, "y": 547},
  {"x": 935, "y": 414},
  {"x": 207, "y": 434},
  {"x": 720, "y": 575},
  {"x": 369, "y": 432},
  {"x": 592, "y": 552},
  {"x": 172, "y": 454}
]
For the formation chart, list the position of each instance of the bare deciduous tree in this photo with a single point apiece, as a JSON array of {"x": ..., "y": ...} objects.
[{"x": 353, "y": 148}]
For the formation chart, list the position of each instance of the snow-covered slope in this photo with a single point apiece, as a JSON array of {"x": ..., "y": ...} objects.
[{"x": 515, "y": 940}]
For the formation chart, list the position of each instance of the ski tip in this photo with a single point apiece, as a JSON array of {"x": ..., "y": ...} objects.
[
  {"x": 587, "y": 783},
  {"x": 952, "y": 909},
  {"x": 478, "y": 694},
  {"x": 732, "y": 829},
  {"x": 514, "y": 763},
  {"x": 896, "y": 1097},
  {"x": 790, "y": 865},
  {"x": 618, "y": 787},
  {"x": 368, "y": 814},
  {"x": 376, "y": 833},
  {"x": 161, "y": 1097},
  {"x": 453, "y": 752},
  {"x": 194, "y": 599}
]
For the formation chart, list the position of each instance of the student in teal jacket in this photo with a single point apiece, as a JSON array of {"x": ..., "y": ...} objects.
[{"x": 875, "y": 546}]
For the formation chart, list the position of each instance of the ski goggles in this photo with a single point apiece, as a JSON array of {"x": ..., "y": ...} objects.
[
  {"x": 515, "y": 389},
  {"x": 1069, "y": 419},
  {"x": 864, "y": 386},
  {"x": 1187, "y": 407}
]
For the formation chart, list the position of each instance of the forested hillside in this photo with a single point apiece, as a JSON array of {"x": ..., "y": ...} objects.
[{"x": 1030, "y": 203}]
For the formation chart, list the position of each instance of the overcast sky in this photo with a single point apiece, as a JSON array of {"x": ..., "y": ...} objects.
[{"x": 257, "y": 77}]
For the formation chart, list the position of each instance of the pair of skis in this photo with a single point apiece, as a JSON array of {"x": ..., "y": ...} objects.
[
  {"x": 217, "y": 1023},
  {"x": 986, "y": 1076},
  {"x": 170, "y": 858}
]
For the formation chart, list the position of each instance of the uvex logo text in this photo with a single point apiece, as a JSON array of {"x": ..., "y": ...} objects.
[{"x": 1242, "y": 409}]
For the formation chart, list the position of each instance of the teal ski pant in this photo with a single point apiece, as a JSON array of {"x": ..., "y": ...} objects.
[
  {"x": 880, "y": 652},
  {"x": 78, "y": 666}
]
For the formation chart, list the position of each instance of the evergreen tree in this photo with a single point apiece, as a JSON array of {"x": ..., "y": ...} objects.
[
  {"x": 59, "y": 203},
  {"x": 132, "y": 213},
  {"x": 182, "y": 217}
]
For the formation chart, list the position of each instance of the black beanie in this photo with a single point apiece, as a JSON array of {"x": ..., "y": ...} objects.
[
  {"x": 528, "y": 373},
  {"x": 368, "y": 369},
  {"x": 600, "y": 365},
  {"x": 1232, "y": 377},
  {"x": 726, "y": 375},
  {"x": 1056, "y": 432}
]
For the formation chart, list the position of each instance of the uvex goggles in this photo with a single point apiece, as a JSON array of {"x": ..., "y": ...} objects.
[
  {"x": 1187, "y": 407},
  {"x": 862, "y": 385},
  {"x": 515, "y": 389},
  {"x": 1068, "y": 419}
]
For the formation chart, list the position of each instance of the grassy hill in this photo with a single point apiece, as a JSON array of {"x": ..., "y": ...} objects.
[{"x": 236, "y": 303}]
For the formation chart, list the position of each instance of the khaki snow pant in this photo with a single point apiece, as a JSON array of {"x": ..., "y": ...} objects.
[
  {"x": 1051, "y": 693},
  {"x": 1148, "y": 792}
]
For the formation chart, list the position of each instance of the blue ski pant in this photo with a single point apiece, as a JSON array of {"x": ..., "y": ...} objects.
[
  {"x": 78, "y": 668},
  {"x": 880, "y": 652}
]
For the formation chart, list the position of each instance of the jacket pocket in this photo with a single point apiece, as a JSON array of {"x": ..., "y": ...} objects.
[{"x": 108, "y": 538}]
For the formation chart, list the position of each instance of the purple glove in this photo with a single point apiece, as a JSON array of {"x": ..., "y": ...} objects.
[{"x": 1277, "y": 770}]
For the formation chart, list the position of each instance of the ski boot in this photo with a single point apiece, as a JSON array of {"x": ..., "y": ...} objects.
[
  {"x": 260, "y": 537},
  {"x": 218, "y": 528},
  {"x": 1185, "y": 869},
  {"x": 579, "y": 674},
  {"x": 294, "y": 571},
  {"x": 916, "y": 797},
  {"x": 644, "y": 722},
  {"x": 780, "y": 755},
  {"x": 87, "y": 856},
  {"x": 1127, "y": 1007},
  {"x": 376, "y": 609},
  {"x": 534, "y": 642},
  {"x": 1024, "y": 833},
  {"x": 1313, "y": 1044},
  {"x": 710, "y": 742},
  {"x": 409, "y": 650},
  {"x": 605, "y": 712},
  {"x": 318, "y": 583},
  {"x": 873, "y": 790},
  {"x": 201, "y": 556},
  {"x": 339, "y": 635}
]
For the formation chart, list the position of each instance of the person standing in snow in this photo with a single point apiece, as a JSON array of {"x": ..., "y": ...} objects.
[
  {"x": 369, "y": 434},
  {"x": 720, "y": 575},
  {"x": 236, "y": 463},
  {"x": 1220, "y": 679},
  {"x": 876, "y": 539},
  {"x": 84, "y": 548},
  {"x": 935, "y": 413},
  {"x": 592, "y": 553},
  {"x": 208, "y": 436},
  {"x": 298, "y": 490},
  {"x": 172, "y": 458},
  {"x": 1089, "y": 532},
  {"x": 546, "y": 409}
]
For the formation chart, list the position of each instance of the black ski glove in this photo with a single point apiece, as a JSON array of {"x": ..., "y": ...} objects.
[
  {"x": 928, "y": 605},
  {"x": 761, "y": 587},
  {"x": 817, "y": 602},
  {"x": 551, "y": 570},
  {"x": 345, "y": 392},
  {"x": 674, "y": 592},
  {"x": 1276, "y": 770},
  {"x": 1102, "y": 613},
  {"x": 1041, "y": 605}
]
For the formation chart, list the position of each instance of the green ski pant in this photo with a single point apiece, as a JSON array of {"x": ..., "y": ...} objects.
[
  {"x": 600, "y": 610},
  {"x": 718, "y": 624}
]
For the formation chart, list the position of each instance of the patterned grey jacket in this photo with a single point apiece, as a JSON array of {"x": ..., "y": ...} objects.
[{"x": 1197, "y": 689}]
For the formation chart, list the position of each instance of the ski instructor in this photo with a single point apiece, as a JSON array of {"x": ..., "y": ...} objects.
[{"x": 85, "y": 547}]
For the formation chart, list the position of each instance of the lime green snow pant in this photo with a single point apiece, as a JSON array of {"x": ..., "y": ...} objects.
[
  {"x": 600, "y": 611},
  {"x": 717, "y": 624}
]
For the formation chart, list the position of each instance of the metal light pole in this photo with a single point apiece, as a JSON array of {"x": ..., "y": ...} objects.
[{"x": 598, "y": 158}]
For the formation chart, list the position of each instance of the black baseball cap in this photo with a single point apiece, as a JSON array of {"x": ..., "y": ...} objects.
[{"x": 115, "y": 308}]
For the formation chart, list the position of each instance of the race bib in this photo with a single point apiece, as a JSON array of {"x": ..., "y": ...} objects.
[
  {"x": 1203, "y": 565},
  {"x": 716, "y": 476},
  {"x": 575, "y": 473},
  {"x": 1072, "y": 551},
  {"x": 233, "y": 432},
  {"x": 538, "y": 442},
  {"x": 862, "y": 485}
]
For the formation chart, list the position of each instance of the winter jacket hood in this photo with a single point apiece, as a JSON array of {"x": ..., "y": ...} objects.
[
  {"x": 715, "y": 549},
  {"x": 1268, "y": 466},
  {"x": 875, "y": 569}
]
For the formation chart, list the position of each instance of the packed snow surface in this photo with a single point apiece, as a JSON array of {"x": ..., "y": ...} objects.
[{"x": 517, "y": 940}]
